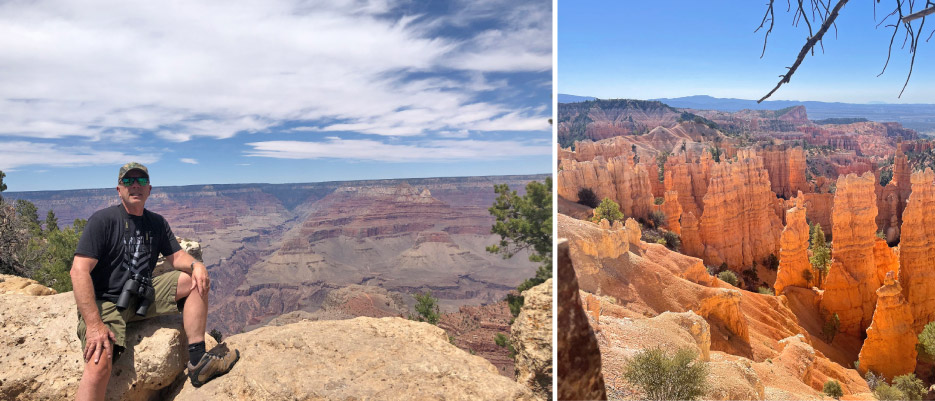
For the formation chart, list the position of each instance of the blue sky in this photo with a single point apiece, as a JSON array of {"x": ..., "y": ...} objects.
[
  {"x": 655, "y": 49},
  {"x": 272, "y": 91}
]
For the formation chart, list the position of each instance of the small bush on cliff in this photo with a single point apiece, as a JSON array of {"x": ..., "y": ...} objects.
[
  {"x": 426, "y": 308},
  {"x": 587, "y": 197},
  {"x": 771, "y": 262},
  {"x": 673, "y": 241},
  {"x": 728, "y": 277},
  {"x": 833, "y": 389},
  {"x": 659, "y": 201},
  {"x": 927, "y": 340},
  {"x": 910, "y": 385},
  {"x": 664, "y": 377},
  {"x": 609, "y": 210},
  {"x": 765, "y": 290},
  {"x": 831, "y": 326},
  {"x": 658, "y": 218},
  {"x": 504, "y": 342},
  {"x": 885, "y": 392}
]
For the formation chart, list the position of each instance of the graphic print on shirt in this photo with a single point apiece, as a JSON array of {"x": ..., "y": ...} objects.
[{"x": 136, "y": 253}]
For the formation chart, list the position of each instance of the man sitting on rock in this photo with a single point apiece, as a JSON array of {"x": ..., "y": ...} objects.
[{"x": 112, "y": 279}]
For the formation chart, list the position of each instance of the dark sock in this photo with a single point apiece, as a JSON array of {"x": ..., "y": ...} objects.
[{"x": 195, "y": 352}]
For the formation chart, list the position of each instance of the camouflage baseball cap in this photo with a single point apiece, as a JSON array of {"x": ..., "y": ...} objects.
[{"x": 132, "y": 166}]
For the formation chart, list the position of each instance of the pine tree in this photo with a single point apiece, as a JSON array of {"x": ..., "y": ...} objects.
[{"x": 51, "y": 222}]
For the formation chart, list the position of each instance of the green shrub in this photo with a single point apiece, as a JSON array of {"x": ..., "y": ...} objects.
[
  {"x": 910, "y": 385},
  {"x": 833, "y": 389},
  {"x": 659, "y": 200},
  {"x": 885, "y": 392},
  {"x": 587, "y": 197},
  {"x": 609, "y": 210},
  {"x": 728, "y": 277},
  {"x": 664, "y": 377},
  {"x": 426, "y": 308},
  {"x": 927, "y": 338},
  {"x": 772, "y": 262},
  {"x": 501, "y": 340},
  {"x": 831, "y": 326},
  {"x": 658, "y": 218},
  {"x": 673, "y": 241},
  {"x": 765, "y": 290}
]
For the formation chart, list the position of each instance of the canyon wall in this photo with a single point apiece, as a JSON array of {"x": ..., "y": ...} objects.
[
  {"x": 786, "y": 167},
  {"x": 618, "y": 179}
]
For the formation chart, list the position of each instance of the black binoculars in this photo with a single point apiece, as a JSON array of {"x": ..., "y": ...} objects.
[{"x": 138, "y": 286}]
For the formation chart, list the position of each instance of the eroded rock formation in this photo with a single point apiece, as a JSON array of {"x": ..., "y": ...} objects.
[
  {"x": 850, "y": 288},
  {"x": 890, "y": 347},
  {"x": 688, "y": 176},
  {"x": 917, "y": 250},
  {"x": 739, "y": 225},
  {"x": 786, "y": 167},
  {"x": 673, "y": 211},
  {"x": 617, "y": 179},
  {"x": 793, "y": 249}
]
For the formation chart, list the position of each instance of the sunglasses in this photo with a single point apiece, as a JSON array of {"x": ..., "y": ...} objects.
[{"x": 127, "y": 181}]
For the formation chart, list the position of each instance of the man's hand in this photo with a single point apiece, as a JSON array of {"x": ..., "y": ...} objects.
[
  {"x": 200, "y": 279},
  {"x": 98, "y": 339}
]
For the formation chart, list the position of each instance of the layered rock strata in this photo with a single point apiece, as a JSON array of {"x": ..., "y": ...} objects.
[
  {"x": 890, "y": 347},
  {"x": 739, "y": 225},
  {"x": 673, "y": 212},
  {"x": 688, "y": 176},
  {"x": 793, "y": 249},
  {"x": 579, "y": 357},
  {"x": 852, "y": 281},
  {"x": 618, "y": 179},
  {"x": 818, "y": 210},
  {"x": 786, "y": 167},
  {"x": 917, "y": 249}
]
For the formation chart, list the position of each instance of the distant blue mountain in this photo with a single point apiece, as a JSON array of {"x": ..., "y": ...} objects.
[
  {"x": 564, "y": 98},
  {"x": 920, "y": 117}
]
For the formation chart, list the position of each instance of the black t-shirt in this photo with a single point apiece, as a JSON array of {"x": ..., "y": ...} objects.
[{"x": 124, "y": 244}]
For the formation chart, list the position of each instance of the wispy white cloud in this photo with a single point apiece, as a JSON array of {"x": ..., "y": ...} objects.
[
  {"x": 367, "y": 149},
  {"x": 194, "y": 69},
  {"x": 15, "y": 154},
  {"x": 188, "y": 160}
]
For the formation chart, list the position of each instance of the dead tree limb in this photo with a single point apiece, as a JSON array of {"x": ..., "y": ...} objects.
[{"x": 809, "y": 44}]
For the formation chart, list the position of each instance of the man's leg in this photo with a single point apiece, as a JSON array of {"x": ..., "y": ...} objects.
[
  {"x": 94, "y": 380},
  {"x": 195, "y": 312}
]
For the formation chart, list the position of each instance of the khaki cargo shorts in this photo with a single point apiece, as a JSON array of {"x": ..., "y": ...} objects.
[{"x": 116, "y": 320}]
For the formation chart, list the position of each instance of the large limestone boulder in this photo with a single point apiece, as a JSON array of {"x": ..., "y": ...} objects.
[
  {"x": 531, "y": 335},
  {"x": 40, "y": 354},
  {"x": 361, "y": 358},
  {"x": 21, "y": 285}
]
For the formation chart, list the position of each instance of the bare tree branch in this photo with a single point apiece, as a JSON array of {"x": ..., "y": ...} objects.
[
  {"x": 809, "y": 44},
  {"x": 918, "y": 15}
]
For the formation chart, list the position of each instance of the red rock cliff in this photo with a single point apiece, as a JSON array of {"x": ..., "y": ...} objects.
[
  {"x": 738, "y": 225},
  {"x": 618, "y": 179},
  {"x": 786, "y": 167},
  {"x": 793, "y": 249},
  {"x": 890, "y": 348},
  {"x": 917, "y": 249},
  {"x": 850, "y": 288}
]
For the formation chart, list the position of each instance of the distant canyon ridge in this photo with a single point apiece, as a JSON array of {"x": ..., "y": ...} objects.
[{"x": 272, "y": 249}]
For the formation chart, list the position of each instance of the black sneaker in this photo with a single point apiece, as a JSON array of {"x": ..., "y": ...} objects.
[{"x": 213, "y": 363}]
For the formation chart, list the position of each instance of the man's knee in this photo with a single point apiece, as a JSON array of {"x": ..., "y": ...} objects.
[
  {"x": 184, "y": 286},
  {"x": 99, "y": 372}
]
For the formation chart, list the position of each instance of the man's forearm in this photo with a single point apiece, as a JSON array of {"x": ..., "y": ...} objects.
[
  {"x": 84, "y": 297},
  {"x": 183, "y": 263}
]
